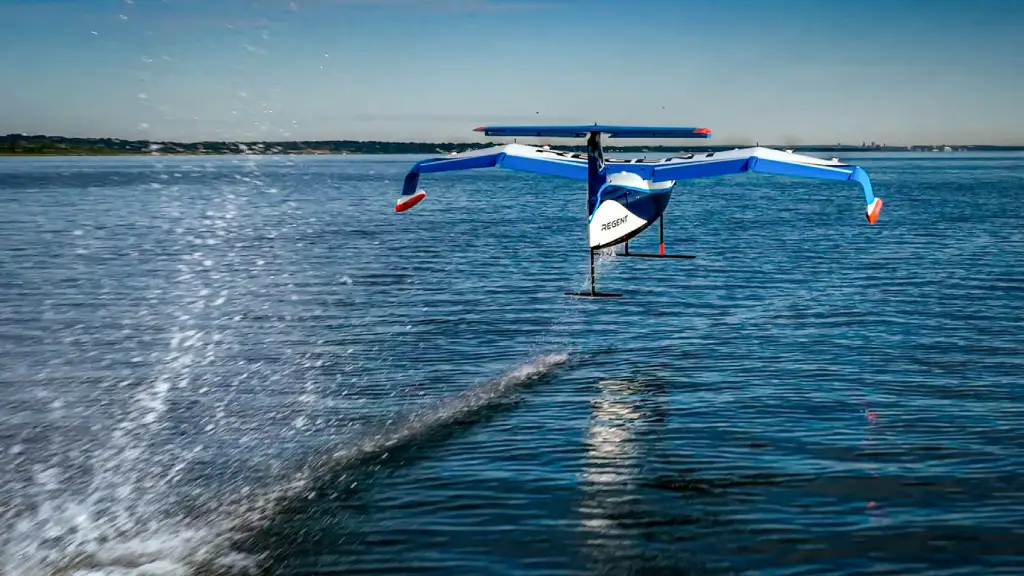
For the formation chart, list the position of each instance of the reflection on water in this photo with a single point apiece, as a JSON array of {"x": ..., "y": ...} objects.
[{"x": 615, "y": 452}]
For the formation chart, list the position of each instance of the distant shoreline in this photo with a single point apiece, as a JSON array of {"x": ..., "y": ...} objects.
[{"x": 41, "y": 145}]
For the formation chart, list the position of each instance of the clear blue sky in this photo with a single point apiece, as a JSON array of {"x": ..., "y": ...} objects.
[{"x": 777, "y": 71}]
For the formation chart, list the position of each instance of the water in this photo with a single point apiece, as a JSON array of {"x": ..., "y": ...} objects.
[{"x": 251, "y": 364}]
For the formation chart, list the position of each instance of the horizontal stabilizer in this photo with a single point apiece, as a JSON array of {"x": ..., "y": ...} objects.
[{"x": 583, "y": 131}]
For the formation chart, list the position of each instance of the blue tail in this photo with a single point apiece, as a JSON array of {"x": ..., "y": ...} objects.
[{"x": 596, "y": 173}]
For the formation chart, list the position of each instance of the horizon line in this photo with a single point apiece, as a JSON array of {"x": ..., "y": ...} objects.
[{"x": 497, "y": 141}]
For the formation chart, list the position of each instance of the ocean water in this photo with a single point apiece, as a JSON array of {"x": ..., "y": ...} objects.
[{"x": 233, "y": 365}]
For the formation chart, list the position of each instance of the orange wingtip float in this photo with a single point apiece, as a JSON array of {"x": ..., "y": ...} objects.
[
  {"x": 874, "y": 209},
  {"x": 406, "y": 202}
]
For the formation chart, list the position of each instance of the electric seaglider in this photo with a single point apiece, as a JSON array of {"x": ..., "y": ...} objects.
[{"x": 626, "y": 196}]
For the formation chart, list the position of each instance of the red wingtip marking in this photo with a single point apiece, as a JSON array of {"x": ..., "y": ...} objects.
[
  {"x": 702, "y": 131},
  {"x": 873, "y": 215},
  {"x": 406, "y": 203},
  {"x": 479, "y": 128}
]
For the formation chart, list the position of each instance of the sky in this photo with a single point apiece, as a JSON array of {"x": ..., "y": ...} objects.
[{"x": 779, "y": 72}]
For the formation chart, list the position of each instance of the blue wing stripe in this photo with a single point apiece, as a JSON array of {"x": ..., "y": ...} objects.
[
  {"x": 799, "y": 170},
  {"x": 859, "y": 175},
  {"x": 512, "y": 157},
  {"x": 752, "y": 161},
  {"x": 698, "y": 169},
  {"x": 446, "y": 164},
  {"x": 855, "y": 173},
  {"x": 574, "y": 170},
  {"x": 432, "y": 165}
]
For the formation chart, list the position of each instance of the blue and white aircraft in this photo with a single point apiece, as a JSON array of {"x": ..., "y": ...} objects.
[{"x": 626, "y": 196}]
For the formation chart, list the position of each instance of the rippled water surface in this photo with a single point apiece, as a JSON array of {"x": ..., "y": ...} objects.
[{"x": 252, "y": 364}]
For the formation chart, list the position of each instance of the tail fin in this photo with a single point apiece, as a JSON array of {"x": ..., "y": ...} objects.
[{"x": 596, "y": 174}]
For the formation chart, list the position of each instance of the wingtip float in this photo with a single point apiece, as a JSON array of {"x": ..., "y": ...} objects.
[
  {"x": 406, "y": 202},
  {"x": 627, "y": 196},
  {"x": 874, "y": 209}
]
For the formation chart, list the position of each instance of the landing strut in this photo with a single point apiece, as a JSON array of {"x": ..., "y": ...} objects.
[
  {"x": 661, "y": 247},
  {"x": 593, "y": 293}
]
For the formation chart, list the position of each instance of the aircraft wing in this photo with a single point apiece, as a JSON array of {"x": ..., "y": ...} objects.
[
  {"x": 510, "y": 156},
  {"x": 756, "y": 159}
]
